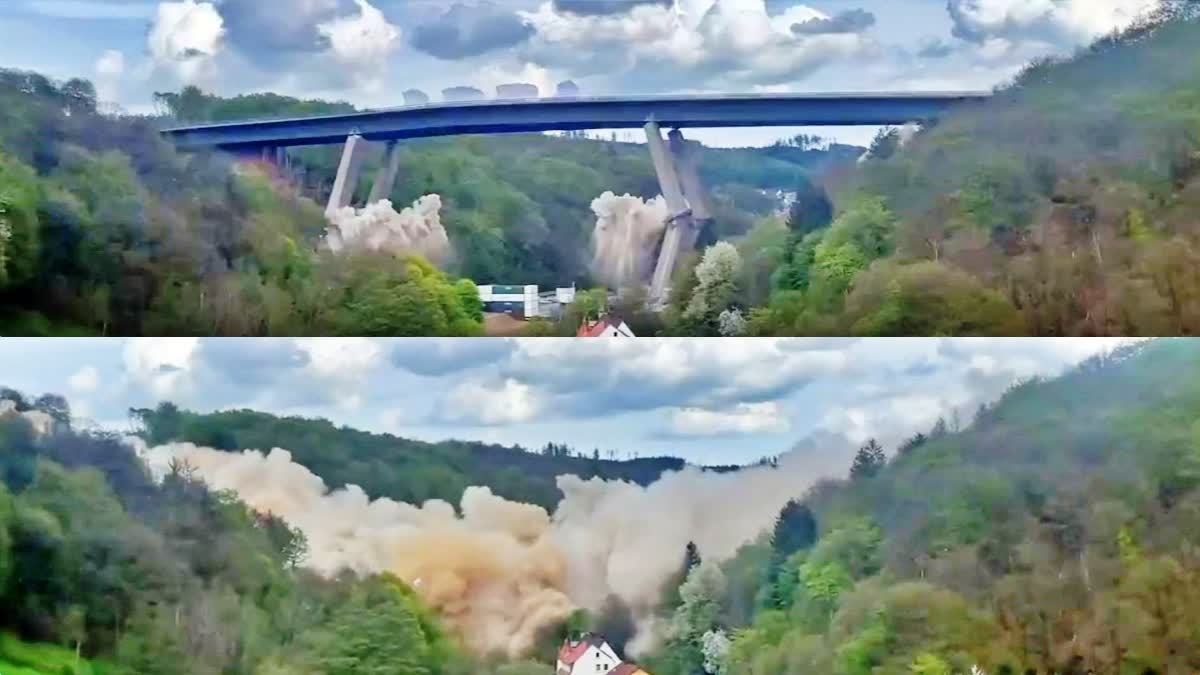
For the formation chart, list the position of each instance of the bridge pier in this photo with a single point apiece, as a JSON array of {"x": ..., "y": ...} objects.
[
  {"x": 347, "y": 176},
  {"x": 385, "y": 180},
  {"x": 679, "y": 218},
  {"x": 687, "y": 162},
  {"x": 677, "y": 164}
]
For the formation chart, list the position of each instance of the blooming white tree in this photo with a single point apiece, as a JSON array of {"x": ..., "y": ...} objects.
[
  {"x": 732, "y": 323},
  {"x": 716, "y": 282},
  {"x": 715, "y": 646},
  {"x": 5, "y": 236}
]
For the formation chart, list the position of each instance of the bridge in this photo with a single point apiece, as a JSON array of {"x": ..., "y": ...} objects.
[{"x": 675, "y": 161}]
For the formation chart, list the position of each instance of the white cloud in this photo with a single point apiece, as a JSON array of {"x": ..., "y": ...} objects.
[
  {"x": 185, "y": 37},
  {"x": 164, "y": 366},
  {"x": 362, "y": 43},
  {"x": 85, "y": 380},
  {"x": 744, "y": 418},
  {"x": 344, "y": 364},
  {"x": 694, "y": 44},
  {"x": 1057, "y": 21},
  {"x": 498, "y": 403}
]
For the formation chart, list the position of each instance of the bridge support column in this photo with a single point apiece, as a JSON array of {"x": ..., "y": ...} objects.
[
  {"x": 680, "y": 232},
  {"x": 385, "y": 180},
  {"x": 687, "y": 162},
  {"x": 347, "y": 175}
]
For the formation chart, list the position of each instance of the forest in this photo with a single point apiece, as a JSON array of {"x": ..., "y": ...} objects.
[
  {"x": 106, "y": 230},
  {"x": 1055, "y": 532},
  {"x": 1064, "y": 206},
  {"x": 106, "y": 571},
  {"x": 1067, "y": 205},
  {"x": 399, "y": 468}
]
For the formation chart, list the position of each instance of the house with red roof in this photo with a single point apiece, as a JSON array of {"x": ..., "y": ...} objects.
[
  {"x": 605, "y": 326},
  {"x": 592, "y": 655}
]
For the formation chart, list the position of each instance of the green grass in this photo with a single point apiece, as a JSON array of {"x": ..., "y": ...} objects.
[{"x": 23, "y": 658}]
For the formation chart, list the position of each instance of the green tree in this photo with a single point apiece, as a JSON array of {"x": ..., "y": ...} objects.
[
  {"x": 811, "y": 211},
  {"x": 868, "y": 461},
  {"x": 376, "y": 632}
]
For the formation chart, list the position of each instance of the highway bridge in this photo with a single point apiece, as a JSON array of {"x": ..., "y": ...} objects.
[
  {"x": 675, "y": 161},
  {"x": 572, "y": 114}
]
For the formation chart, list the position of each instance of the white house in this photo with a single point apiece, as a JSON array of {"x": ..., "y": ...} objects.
[{"x": 592, "y": 655}]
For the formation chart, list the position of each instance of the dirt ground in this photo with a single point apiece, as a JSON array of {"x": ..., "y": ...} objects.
[{"x": 502, "y": 325}]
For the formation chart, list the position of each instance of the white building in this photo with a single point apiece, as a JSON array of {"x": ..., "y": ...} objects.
[{"x": 525, "y": 301}]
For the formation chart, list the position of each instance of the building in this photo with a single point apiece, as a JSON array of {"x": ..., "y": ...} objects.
[
  {"x": 592, "y": 655},
  {"x": 525, "y": 301},
  {"x": 605, "y": 326},
  {"x": 520, "y": 301}
]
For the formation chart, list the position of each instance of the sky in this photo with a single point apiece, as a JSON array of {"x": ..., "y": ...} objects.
[
  {"x": 728, "y": 401},
  {"x": 369, "y": 51}
]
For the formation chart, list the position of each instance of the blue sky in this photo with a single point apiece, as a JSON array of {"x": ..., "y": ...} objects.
[
  {"x": 709, "y": 401},
  {"x": 369, "y": 51}
]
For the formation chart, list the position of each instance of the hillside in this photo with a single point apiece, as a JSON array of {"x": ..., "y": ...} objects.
[
  {"x": 402, "y": 469},
  {"x": 165, "y": 577},
  {"x": 1065, "y": 206},
  {"x": 105, "y": 229},
  {"x": 1056, "y": 533}
]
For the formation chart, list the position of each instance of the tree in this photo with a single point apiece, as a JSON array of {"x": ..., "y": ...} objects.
[
  {"x": 80, "y": 95},
  {"x": 18, "y": 453},
  {"x": 716, "y": 289},
  {"x": 811, "y": 211},
  {"x": 868, "y": 461},
  {"x": 912, "y": 443},
  {"x": 376, "y": 633},
  {"x": 55, "y": 406},
  {"x": 795, "y": 529}
]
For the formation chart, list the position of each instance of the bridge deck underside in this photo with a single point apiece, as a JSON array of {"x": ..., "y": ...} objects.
[{"x": 568, "y": 115}]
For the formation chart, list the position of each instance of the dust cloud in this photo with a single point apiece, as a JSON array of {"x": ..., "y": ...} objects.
[
  {"x": 503, "y": 573},
  {"x": 41, "y": 422},
  {"x": 379, "y": 227},
  {"x": 626, "y": 235}
]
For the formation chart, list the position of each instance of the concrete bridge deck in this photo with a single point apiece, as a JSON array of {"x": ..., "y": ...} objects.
[{"x": 573, "y": 114}]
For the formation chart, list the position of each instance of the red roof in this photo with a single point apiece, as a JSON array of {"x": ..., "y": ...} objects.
[
  {"x": 624, "y": 669},
  {"x": 597, "y": 328},
  {"x": 592, "y": 328},
  {"x": 570, "y": 653}
]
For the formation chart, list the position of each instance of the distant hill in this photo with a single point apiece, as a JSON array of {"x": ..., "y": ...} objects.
[{"x": 402, "y": 469}]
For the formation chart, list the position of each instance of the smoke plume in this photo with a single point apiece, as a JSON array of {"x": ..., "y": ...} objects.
[
  {"x": 503, "y": 573},
  {"x": 627, "y": 232},
  {"x": 378, "y": 227}
]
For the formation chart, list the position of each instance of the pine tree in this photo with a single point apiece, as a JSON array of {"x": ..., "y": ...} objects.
[{"x": 869, "y": 460}]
